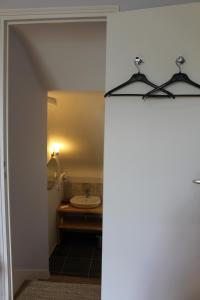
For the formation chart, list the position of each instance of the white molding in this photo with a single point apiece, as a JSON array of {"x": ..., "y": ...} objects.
[
  {"x": 61, "y": 14},
  {"x": 57, "y": 21},
  {"x": 20, "y": 275},
  {"x": 5, "y": 239},
  {"x": 98, "y": 9}
]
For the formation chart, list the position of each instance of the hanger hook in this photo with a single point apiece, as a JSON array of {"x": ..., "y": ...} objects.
[
  {"x": 179, "y": 61},
  {"x": 138, "y": 61}
]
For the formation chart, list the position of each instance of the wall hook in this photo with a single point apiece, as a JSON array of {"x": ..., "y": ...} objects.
[
  {"x": 180, "y": 60},
  {"x": 137, "y": 62}
]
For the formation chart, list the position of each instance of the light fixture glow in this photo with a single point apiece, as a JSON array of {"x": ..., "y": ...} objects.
[
  {"x": 58, "y": 145},
  {"x": 55, "y": 149}
]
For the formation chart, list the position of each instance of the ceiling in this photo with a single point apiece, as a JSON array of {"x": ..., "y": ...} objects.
[
  {"x": 68, "y": 56},
  {"x": 77, "y": 124},
  {"x": 123, "y": 4}
]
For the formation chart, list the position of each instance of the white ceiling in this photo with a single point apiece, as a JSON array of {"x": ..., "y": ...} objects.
[
  {"x": 124, "y": 4},
  {"x": 77, "y": 124},
  {"x": 68, "y": 56}
]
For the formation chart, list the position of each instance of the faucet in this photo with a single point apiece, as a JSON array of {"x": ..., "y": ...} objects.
[{"x": 87, "y": 191}]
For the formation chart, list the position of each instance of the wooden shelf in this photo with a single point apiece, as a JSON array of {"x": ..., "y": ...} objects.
[
  {"x": 70, "y": 209},
  {"x": 81, "y": 225},
  {"x": 70, "y": 218}
]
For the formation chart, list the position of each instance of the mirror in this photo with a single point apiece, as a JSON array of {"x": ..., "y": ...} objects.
[{"x": 53, "y": 173}]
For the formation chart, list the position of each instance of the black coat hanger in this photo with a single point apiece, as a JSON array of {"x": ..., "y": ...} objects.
[
  {"x": 137, "y": 77},
  {"x": 177, "y": 77}
]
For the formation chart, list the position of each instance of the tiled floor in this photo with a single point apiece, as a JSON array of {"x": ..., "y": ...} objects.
[{"x": 77, "y": 255}]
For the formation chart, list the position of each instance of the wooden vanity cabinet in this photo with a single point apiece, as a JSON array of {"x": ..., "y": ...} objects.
[{"x": 70, "y": 218}]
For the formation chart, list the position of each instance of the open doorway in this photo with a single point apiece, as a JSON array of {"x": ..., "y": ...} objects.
[
  {"x": 60, "y": 67},
  {"x": 75, "y": 142}
]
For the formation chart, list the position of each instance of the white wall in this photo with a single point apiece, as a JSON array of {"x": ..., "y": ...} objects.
[
  {"x": 151, "y": 241},
  {"x": 27, "y": 151},
  {"x": 124, "y": 4},
  {"x": 2, "y": 267}
]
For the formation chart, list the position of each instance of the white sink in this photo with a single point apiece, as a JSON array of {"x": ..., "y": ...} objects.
[{"x": 85, "y": 202}]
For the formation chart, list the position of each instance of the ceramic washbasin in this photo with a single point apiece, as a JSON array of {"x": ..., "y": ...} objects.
[{"x": 85, "y": 202}]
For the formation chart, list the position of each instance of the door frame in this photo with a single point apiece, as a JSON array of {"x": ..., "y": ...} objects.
[{"x": 7, "y": 18}]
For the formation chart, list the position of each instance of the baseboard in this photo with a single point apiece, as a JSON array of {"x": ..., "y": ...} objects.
[{"x": 21, "y": 275}]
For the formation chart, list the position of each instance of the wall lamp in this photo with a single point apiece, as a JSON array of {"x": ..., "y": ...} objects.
[{"x": 55, "y": 150}]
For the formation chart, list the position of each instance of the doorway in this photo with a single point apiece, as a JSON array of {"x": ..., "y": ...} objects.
[
  {"x": 33, "y": 244},
  {"x": 76, "y": 126}
]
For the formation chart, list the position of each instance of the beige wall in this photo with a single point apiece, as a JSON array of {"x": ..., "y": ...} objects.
[
  {"x": 77, "y": 124},
  {"x": 27, "y": 153}
]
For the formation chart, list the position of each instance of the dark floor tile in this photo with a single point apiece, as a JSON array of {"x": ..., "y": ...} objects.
[
  {"x": 77, "y": 255},
  {"x": 95, "y": 270},
  {"x": 76, "y": 267},
  {"x": 56, "y": 264},
  {"x": 81, "y": 251}
]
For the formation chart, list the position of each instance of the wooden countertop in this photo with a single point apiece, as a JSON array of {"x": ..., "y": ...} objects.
[{"x": 68, "y": 208}]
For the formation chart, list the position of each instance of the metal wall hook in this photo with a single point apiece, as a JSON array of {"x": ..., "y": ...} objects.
[
  {"x": 138, "y": 61},
  {"x": 197, "y": 181},
  {"x": 179, "y": 61}
]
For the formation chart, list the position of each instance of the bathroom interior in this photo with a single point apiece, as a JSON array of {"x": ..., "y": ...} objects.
[
  {"x": 75, "y": 186},
  {"x": 56, "y": 102}
]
